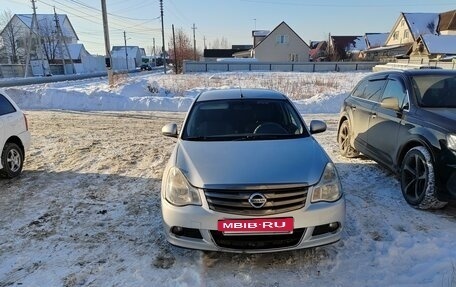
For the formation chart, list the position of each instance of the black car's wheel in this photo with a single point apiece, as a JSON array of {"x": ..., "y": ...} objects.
[
  {"x": 12, "y": 160},
  {"x": 418, "y": 179},
  {"x": 343, "y": 138}
]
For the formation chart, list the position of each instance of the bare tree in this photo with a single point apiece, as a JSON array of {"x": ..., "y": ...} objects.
[
  {"x": 220, "y": 43},
  {"x": 10, "y": 33},
  {"x": 182, "y": 51},
  {"x": 224, "y": 43},
  {"x": 49, "y": 38}
]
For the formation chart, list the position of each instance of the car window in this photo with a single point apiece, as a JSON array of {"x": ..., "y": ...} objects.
[
  {"x": 244, "y": 119},
  {"x": 435, "y": 90},
  {"x": 359, "y": 90},
  {"x": 374, "y": 89},
  {"x": 396, "y": 89},
  {"x": 5, "y": 106}
]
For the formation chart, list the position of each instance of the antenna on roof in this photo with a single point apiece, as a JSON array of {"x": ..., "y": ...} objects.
[{"x": 240, "y": 86}]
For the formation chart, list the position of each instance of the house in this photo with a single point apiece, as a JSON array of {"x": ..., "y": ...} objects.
[
  {"x": 375, "y": 40},
  {"x": 318, "y": 51},
  {"x": 258, "y": 36},
  {"x": 280, "y": 45},
  {"x": 447, "y": 23},
  {"x": 409, "y": 27},
  {"x": 374, "y": 45},
  {"x": 342, "y": 48},
  {"x": 16, "y": 33},
  {"x": 433, "y": 47},
  {"x": 127, "y": 57}
]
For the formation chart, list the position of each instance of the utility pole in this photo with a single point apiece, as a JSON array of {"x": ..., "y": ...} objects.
[
  {"x": 29, "y": 43},
  {"x": 175, "y": 54},
  {"x": 56, "y": 20},
  {"x": 163, "y": 37},
  {"x": 108, "y": 58},
  {"x": 194, "y": 42},
  {"x": 153, "y": 41},
  {"x": 62, "y": 38},
  {"x": 204, "y": 41},
  {"x": 126, "y": 52}
]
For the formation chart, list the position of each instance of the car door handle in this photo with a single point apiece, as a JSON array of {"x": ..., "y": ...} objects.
[{"x": 373, "y": 115}]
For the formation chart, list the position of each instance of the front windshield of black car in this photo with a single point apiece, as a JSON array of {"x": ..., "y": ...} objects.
[
  {"x": 243, "y": 119},
  {"x": 435, "y": 91}
]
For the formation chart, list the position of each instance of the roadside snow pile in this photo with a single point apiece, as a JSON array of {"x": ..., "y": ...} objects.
[{"x": 312, "y": 92}]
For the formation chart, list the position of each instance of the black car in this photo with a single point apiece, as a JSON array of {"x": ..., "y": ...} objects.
[{"x": 406, "y": 121}]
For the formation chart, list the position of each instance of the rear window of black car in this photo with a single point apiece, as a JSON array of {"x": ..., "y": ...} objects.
[
  {"x": 5, "y": 106},
  {"x": 435, "y": 91}
]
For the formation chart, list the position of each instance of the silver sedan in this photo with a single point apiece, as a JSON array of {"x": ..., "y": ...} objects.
[{"x": 246, "y": 175}]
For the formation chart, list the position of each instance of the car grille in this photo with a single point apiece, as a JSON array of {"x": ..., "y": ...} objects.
[
  {"x": 237, "y": 201},
  {"x": 247, "y": 242}
]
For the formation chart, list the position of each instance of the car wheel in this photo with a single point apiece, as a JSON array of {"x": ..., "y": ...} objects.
[
  {"x": 344, "y": 138},
  {"x": 12, "y": 160},
  {"x": 418, "y": 179}
]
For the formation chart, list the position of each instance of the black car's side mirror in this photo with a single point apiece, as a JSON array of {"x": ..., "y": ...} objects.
[
  {"x": 391, "y": 104},
  {"x": 170, "y": 130},
  {"x": 317, "y": 127}
]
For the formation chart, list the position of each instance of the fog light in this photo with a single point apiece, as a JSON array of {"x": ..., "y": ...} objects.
[
  {"x": 326, "y": 228},
  {"x": 334, "y": 226},
  {"x": 177, "y": 230},
  {"x": 186, "y": 232}
]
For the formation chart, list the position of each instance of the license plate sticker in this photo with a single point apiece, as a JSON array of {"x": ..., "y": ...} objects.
[{"x": 263, "y": 225}]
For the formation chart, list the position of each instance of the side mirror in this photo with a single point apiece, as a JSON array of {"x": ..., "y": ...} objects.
[
  {"x": 391, "y": 104},
  {"x": 170, "y": 130},
  {"x": 317, "y": 127}
]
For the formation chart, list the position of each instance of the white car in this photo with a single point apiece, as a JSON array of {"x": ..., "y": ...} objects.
[
  {"x": 246, "y": 175},
  {"x": 14, "y": 137}
]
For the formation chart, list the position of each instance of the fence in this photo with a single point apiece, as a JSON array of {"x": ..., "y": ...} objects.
[
  {"x": 198, "y": 67},
  {"x": 426, "y": 62}
]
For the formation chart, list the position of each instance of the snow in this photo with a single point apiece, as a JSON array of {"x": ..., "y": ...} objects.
[
  {"x": 376, "y": 39},
  {"x": 444, "y": 44},
  {"x": 312, "y": 92},
  {"x": 86, "y": 210},
  {"x": 422, "y": 23}
]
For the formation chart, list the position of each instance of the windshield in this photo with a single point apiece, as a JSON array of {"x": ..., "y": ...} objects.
[
  {"x": 243, "y": 119},
  {"x": 435, "y": 91}
]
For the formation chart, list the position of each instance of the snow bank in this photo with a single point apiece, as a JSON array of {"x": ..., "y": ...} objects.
[{"x": 311, "y": 92}]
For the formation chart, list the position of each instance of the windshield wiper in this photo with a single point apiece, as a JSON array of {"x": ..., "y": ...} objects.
[{"x": 260, "y": 137}]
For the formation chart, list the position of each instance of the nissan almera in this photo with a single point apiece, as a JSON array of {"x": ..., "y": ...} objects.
[{"x": 246, "y": 175}]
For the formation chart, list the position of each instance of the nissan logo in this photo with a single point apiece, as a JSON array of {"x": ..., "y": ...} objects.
[{"x": 257, "y": 200}]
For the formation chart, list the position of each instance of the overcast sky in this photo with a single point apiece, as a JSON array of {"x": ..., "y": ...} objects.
[{"x": 231, "y": 19}]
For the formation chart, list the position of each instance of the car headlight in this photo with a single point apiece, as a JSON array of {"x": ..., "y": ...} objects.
[
  {"x": 451, "y": 142},
  {"x": 329, "y": 188},
  {"x": 178, "y": 190}
]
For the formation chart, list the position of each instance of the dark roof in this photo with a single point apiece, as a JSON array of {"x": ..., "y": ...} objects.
[
  {"x": 344, "y": 41},
  {"x": 447, "y": 21},
  {"x": 414, "y": 72},
  {"x": 221, "y": 53}
]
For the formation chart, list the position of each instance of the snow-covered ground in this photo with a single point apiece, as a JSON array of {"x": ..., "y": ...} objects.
[{"x": 86, "y": 211}]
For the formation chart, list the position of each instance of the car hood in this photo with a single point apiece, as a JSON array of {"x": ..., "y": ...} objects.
[{"x": 291, "y": 161}]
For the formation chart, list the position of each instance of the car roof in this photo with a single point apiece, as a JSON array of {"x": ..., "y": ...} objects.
[
  {"x": 416, "y": 72},
  {"x": 239, "y": 93}
]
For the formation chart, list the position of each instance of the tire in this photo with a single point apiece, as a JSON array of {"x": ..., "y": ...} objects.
[
  {"x": 417, "y": 176},
  {"x": 344, "y": 139},
  {"x": 12, "y": 160}
]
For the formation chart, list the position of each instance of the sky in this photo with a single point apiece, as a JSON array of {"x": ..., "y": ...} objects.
[{"x": 232, "y": 20}]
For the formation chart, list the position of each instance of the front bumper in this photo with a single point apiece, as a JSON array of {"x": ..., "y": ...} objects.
[{"x": 201, "y": 225}]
